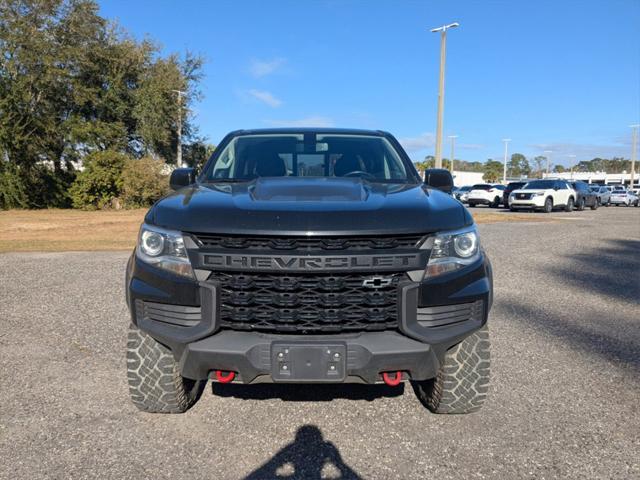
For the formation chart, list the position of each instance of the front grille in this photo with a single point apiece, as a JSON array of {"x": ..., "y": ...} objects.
[
  {"x": 307, "y": 303},
  {"x": 523, "y": 196},
  {"x": 307, "y": 243}
]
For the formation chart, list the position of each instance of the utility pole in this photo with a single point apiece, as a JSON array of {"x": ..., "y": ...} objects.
[
  {"x": 506, "y": 152},
  {"x": 572, "y": 157},
  {"x": 443, "y": 56},
  {"x": 548, "y": 152},
  {"x": 634, "y": 147},
  {"x": 179, "y": 146},
  {"x": 453, "y": 149}
]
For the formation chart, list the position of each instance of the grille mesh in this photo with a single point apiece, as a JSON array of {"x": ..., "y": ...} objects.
[
  {"x": 306, "y": 303},
  {"x": 306, "y": 243}
]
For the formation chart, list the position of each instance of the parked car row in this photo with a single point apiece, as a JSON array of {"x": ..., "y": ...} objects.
[{"x": 546, "y": 195}]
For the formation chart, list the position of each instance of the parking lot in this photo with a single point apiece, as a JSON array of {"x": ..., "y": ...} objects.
[{"x": 564, "y": 401}]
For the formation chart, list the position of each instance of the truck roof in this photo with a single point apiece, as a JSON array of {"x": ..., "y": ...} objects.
[{"x": 323, "y": 131}]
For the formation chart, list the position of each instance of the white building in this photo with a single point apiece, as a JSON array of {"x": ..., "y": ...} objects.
[
  {"x": 460, "y": 179},
  {"x": 597, "y": 177}
]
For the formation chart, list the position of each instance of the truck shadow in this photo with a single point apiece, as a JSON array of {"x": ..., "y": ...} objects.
[
  {"x": 308, "y": 457},
  {"x": 611, "y": 269},
  {"x": 306, "y": 392}
]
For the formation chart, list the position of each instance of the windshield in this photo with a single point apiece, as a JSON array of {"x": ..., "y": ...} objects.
[
  {"x": 540, "y": 185},
  {"x": 248, "y": 157},
  {"x": 482, "y": 187}
]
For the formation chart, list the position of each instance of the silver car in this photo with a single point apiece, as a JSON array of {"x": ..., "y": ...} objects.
[{"x": 603, "y": 194}]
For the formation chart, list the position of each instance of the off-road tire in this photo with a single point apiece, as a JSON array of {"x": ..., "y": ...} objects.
[
  {"x": 155, "y": 383},
  {"x": 462, "y": 382}
]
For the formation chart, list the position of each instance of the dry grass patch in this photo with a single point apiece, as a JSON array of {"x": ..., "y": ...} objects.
[
  {"x": 67, "y": 230},
  {"x": 481, "y": 215}
]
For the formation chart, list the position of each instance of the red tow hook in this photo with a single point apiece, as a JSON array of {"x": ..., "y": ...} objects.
[
  {"x": 392, "y": 381},
  {"x": 225, "y": 377}
]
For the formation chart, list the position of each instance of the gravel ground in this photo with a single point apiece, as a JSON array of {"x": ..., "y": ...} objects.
[{"x": 564, "y": 402}]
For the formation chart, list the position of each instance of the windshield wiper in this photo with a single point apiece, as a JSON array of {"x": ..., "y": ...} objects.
[{"x": 230, "y": 180}]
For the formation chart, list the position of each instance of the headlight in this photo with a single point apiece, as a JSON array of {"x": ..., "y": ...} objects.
[
  {"x": 163, "y": 249},
  {"x": 452, "y": 250},
  {"x": 512, "y": 195},
  {"x": 535, "y": 195}
]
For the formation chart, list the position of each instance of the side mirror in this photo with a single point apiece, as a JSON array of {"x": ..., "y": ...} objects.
[
  {"x": 182, "y": 177},
  {"x": 439, "y": 178}
]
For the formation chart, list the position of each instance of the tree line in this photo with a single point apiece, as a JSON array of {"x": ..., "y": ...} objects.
[
  {"x": 74, "y": 85},
  {"x": 519, "y": 166}
]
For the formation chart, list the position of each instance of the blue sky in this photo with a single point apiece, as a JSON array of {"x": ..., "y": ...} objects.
[{"x": 551, "y": 75}]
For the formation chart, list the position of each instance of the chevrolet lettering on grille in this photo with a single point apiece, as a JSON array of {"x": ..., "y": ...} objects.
[{"x": 294, "y": 263}]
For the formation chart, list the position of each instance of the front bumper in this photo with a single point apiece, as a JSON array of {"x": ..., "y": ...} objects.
[
  {"x": 535, "y": 202},
  {"x": 433, "y": 316}
]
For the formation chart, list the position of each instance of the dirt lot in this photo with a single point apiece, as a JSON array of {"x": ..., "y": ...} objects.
[
  {"x": 76, "y": 230},
  {"x": 565, "y": 334}
]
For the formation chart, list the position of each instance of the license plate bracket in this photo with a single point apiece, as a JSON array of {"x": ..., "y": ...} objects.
[{"x": 308, "y": 362}]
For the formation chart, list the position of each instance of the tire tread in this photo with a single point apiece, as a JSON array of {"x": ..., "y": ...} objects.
[
  {"x": 155, "y": 383},
  {"x": 462, "y": 383}
]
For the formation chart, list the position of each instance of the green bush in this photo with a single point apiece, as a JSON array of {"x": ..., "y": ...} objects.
[
  {"x": 100, "y": 183},
  {"x": 47, "y": 189},
  {"x": 143, "y": 182},
  {"x": 35, "y": 187},
  {"x": 12, "y": 187}
]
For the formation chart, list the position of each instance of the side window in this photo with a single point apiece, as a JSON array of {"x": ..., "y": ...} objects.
[{"x": 225, "y": 164}]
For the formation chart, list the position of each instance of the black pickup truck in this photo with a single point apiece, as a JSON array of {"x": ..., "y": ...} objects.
[{"x": 308, "y": 256}]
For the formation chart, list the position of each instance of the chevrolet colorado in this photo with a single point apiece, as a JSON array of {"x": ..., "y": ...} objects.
[{"x": 308, "y": 256}]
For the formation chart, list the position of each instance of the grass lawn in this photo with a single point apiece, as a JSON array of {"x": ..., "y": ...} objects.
[
  {"x": 69, "y": 230},
  {"x": 66, "y": 230}
]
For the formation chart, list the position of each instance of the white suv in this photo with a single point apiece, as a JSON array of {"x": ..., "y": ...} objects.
[
  {"x": 485, "y": 194},
  {"x": 543, "y": 195}
]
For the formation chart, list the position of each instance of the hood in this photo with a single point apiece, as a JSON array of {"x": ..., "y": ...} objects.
[{"x": 308, "y": 206}]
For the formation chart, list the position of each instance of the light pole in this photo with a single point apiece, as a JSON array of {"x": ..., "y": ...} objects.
[
  {"x": 506, "y": 151},
  {"x": 548, "y": 152},
  {"x": 179, "y": 146},
  {"x": 443, "y": 55},
  {"x": 634, "y": 146},
  {"x": 572, "y": 157},
  {"x": 453, "y": 149}
]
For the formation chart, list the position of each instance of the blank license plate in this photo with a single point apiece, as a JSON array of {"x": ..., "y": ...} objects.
[{"x": 308, "y": 362}]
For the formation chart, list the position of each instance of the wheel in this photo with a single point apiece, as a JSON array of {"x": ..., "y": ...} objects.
[
  {"x": 471, "y": 205},
  {"x": 462, "y": 381},
  {"x": 580, "y": 204},
  {"x": 495, "y": 203},
  {"x": 155, "y": 383},
  {"x": 595, "y": 205},
  {"x": 569, "y": 206},
  {"x": 608, "y": 204},
  {"x": 513, "y": 209},
  {"x": 548, "y": 205}
]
